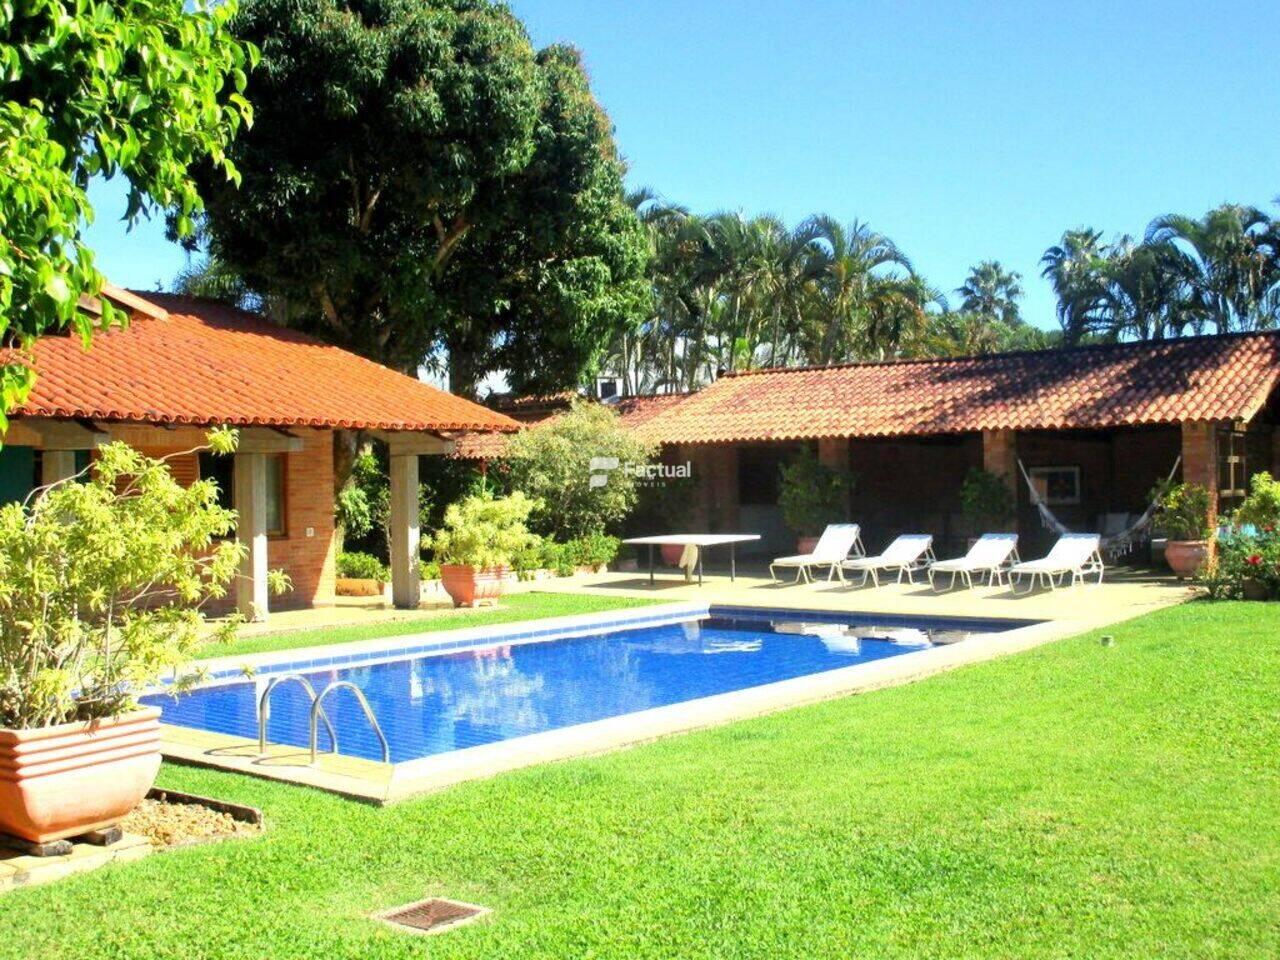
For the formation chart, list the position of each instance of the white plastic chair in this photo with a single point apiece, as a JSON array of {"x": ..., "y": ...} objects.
[
  {"x": 1076, "y": 555},
  {"x": 907, "y": 554},
  {"x": 991, "y": 554},
  {"x": 837, "y": 542}
]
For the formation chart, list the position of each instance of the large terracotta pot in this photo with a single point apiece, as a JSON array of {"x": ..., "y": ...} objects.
[
  {"x": 1186, "y": 557},
  {"x": 66, "y": 780},
  {"x": 671, "y": 553},
  {"x": 806, "y": 544},
  {"x": 471, "y": 586}
]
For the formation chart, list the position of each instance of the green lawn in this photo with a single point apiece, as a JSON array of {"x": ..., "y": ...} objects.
[
  {"x": 1074, "y": 801},
  {"x": 518, "y": 606}
]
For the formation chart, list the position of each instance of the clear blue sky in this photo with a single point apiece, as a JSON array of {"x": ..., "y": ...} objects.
[{"x": 964, "y": 131}]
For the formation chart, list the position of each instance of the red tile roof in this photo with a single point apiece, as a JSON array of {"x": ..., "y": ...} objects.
[
  {"x": 1194, "y": 379},
  {"x": 206, "y": 363}
]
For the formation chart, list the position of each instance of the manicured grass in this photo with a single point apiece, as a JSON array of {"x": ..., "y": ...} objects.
[
  {"x": 517, "y": 606},
  {"x": 1078, "y": 800}
]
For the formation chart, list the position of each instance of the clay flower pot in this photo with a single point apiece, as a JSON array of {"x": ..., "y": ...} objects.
[
  {"x": 671, "y": 553},
  {"x": 1251, "y": 588},
  {"x": 806, "y": 544},
  {"x": 66, "y": 780},
  {"x": 471, "y": 586},
  {"x": 1186, "y": 557}
]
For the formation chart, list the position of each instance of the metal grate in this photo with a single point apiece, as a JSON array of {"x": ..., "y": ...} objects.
[{"x": 431, "y": 916}]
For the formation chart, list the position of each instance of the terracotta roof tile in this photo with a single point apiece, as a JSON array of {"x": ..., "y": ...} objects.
[
  {"x": 1193, "y": 379},
  {"x": 206, "y": 363}
]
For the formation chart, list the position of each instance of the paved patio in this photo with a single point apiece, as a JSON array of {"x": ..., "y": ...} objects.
[{"x": 1124, "y": 593}]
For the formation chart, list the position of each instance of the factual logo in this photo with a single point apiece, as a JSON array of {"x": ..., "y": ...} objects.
[{"x": 645, "y": 474}]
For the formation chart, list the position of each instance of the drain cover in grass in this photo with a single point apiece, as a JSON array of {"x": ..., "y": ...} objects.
[{"x": 431, "y": 916}]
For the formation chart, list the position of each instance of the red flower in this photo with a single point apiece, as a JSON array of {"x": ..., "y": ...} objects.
[{"x": 1254, "y": 560}]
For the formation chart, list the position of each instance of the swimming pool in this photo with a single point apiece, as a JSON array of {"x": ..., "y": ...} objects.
[{"x": 452, "y": 696}]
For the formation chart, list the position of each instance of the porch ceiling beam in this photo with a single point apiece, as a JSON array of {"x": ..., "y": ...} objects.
[
  {"x": 405, "y": 442},
  {"x": 268, "y": 440},
  {"x": 64, "y": 434}
]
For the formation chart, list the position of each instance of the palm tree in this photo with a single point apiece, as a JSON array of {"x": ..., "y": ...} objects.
[
  {"x": 1072, "y": 268},
  {"x": 856, "y": 310},
  {"x": 1232, "y": 251},
  {"x": 992, "y": 291}
]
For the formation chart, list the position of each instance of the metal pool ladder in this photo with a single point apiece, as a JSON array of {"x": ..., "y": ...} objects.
[
  {"x": 317, "y": 711},
  {"x": 264, "y": 712}
]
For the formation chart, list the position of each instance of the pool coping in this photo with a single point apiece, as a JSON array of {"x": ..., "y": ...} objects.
[{"x": 380, "y": 783}]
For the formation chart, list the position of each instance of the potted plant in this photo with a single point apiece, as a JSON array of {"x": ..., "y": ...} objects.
[
  {"x": 361, "y": 575},
  {"x": 102, "y": 578},
  {"x": 1183, "y": 517},
  {"x": 664, "y": 507},
  {"x": 987, "y": 503},
  {"x": 481, "y": 536},
  {"x": 1253, "y": 543},
  {"x": 811, "y": 496}
]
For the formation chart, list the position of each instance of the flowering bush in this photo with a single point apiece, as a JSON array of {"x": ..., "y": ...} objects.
[
  {"x": 102, "y": 578},
  {"x": 1242, "y": 559}
]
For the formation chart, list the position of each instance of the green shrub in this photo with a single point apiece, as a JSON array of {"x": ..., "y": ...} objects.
[
  {"x": 429, "y": 570},
  {"x": 812, "y": 494},
  {"x": 1183, "y": 512},
  {"x": 552, "y": 463},
  {"x": 362, "y": 566},
  {"x": 102, "y": 579},
  {"x": 1261, "y": 509},
  {"x": 987, "y": 502},
  {"x": 1240, "y": 559},
  {"x": 483, "y": 530},
  {"x": 594, "y": 550}
]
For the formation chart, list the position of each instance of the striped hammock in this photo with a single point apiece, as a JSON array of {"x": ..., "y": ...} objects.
[{"x": 1115, "y": 545}]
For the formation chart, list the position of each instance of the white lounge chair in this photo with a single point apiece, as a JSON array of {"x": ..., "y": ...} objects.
[
  {"x": 1076, "y": 555},
  {"x": 907, "y": 554},
  {"x": 838, "y": 541},
  {"x": 991, "y": 554}
]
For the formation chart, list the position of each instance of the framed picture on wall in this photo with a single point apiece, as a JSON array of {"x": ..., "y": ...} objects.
[{"x": 1057, "y": 486}]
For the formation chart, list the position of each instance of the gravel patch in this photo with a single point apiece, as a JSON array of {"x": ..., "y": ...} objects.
[{"x": 176, "y": 824}]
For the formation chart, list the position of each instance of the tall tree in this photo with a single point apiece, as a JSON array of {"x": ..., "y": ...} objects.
[
  {"x": 423, "y": 187},
  {"x": 141, "y": 89},
  {"x": 1233, "y": 253},
  {"x": 992, "y": 291},
  {"x": 1071, "y": 267}
]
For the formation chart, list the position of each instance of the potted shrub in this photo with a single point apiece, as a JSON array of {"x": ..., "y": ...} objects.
[
  {"x": 1254, "y": 544},
  {"x": 361, "y": 575},
  {"x": 101, "y": 582},
  {"x": 811, "y": 496},
  {"x": 481, "y": 536},
  {"x": 987, "y": 503},
  {"x": 1184, "y": 518}
]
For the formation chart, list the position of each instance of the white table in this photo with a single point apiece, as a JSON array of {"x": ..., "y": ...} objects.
[{"x": 701, "y": 541}]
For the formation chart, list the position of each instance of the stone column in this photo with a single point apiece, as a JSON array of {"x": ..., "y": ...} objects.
[
  {"x": 406, "y": 579},
  {"x": 56, "y": 465},
  {"x": 249, "y": 497},
  {"x": 1200, "y": 461}
]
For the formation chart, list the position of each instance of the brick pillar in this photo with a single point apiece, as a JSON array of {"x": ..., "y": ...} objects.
[
  {"x": 1200, "y": 461},
  {"x": 1000, "y": 456},
  {"x": 833, "y": 452}
]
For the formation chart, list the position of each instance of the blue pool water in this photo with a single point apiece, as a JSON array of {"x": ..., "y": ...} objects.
[{"x": 436, "y": 703}]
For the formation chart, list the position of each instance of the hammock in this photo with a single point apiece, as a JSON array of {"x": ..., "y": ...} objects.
[{"x": 1115, "y": 545}]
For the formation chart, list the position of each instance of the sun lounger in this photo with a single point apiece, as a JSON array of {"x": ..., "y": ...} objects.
[
  {"x": 907, "y": 554},
  {"x": 1075, "y": 555},
  {"x": 837, "y": 542},
  {"x": 991, "y": 554}
]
